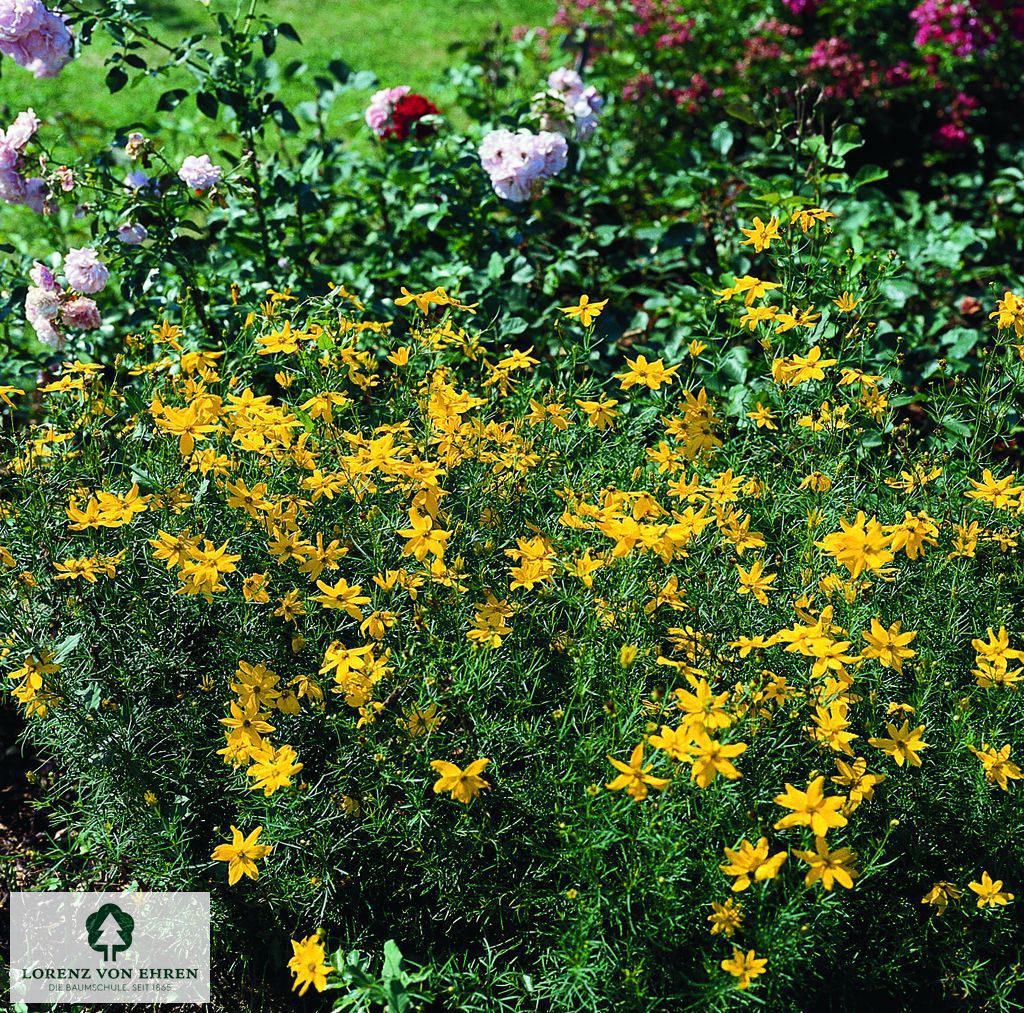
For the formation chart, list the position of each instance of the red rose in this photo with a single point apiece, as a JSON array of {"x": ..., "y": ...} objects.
[{"x": 409, "y": 109}]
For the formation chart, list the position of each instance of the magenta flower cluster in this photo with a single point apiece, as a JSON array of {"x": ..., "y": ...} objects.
[
  {"x": 34, "y": 37},
  {"x": 798, "y": 8},
  {"x": 520, "y": 163},
  {"x": 15, "y": 186},
  {"x": 953, "y": 135},
  {"x": 665, "y": 20},
  {"x": 838, "y": 70},
  {"x": 954, "y": 25}
]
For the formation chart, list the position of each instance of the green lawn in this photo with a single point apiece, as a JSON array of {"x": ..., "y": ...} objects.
[{"x": 402, "y": 41}]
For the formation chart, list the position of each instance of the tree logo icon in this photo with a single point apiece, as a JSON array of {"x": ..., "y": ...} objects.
[{"x": 109, "y": 931}]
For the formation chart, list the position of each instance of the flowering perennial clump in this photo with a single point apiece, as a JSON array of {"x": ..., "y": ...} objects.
[
  {"x": 569, "y": 106},
  {"x": 557, "y": 646}
]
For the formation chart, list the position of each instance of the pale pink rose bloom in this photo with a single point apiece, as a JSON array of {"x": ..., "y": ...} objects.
[
  {"x": 519, "y": 163},
  {"x": 43, "y": 277},
  {"x": 82, "y": 313},
  {"x": 20, "y": 17},
  {"x": 132, "y": 233},
  {"x": 382, "y": 104},
  {"x": 84, "y": 271},
  {"x": 45, "y": 50},
  {"x": 42, "y": 304},
  {"x": 46, "y": 332},
  {"x": 199, "y": 173},
  {"x": 21, "y": 131}
]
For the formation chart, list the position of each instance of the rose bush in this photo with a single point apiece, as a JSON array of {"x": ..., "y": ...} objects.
[{"x": 561, "y": 179}]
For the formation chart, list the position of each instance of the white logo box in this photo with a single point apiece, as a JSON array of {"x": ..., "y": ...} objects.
[{"x": 104, "y": 948}]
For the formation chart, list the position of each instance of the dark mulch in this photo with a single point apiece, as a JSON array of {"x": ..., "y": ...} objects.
[{"x": 23, "y": 829}]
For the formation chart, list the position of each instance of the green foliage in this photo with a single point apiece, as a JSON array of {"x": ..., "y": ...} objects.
[{"x": 391, "y": 989}]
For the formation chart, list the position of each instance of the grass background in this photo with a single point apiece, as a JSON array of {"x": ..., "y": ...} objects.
[{"x": 401, "y": 41}]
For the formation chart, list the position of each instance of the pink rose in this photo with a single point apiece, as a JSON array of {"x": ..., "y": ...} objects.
[
  {"x": 82, "y": 313},
  {"x": 84, "y": 271}
]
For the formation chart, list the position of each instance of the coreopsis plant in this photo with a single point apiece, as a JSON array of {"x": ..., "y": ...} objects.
[{"x": 589, "y": 692}]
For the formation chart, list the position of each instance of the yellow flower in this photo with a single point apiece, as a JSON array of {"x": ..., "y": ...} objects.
[
  {"x": 464, "y": 785},
  {"x": 859, "y": 546},
  {"x": 754, "y": 581},
  {"x": 418, "y": 721},
  {"x": 903, "y": 743},
  {"x": 744, "y": 967},
  {"x": 830, "y": 867},
  {"x": 846, "y": 303},
  {"x": 763, "y": 417},
  {"x": 308, "y": 964},
  {"x": 1010, "y": 313},
  {"x": 997, "y": 765},
  {"x": 342, "y": 596},
  {"x": 274, "y": 769},
  {"x": 242, "y": 854},
  {"x": 1000, "y": 492},
  {"x": 941, "y": 894},
  {"x": 859, "y": 784},
  {"x": 809, "y": 216},
  {"x": 751, "y": 288},
  {"x": 254, "y": 588},
  {"x": 990, "y": 894},
  {"x": 676, "y": 742},
  {"x": 797, "y": 369},
  {"x": 248, "y": 723},
  {"x": 830, "y": 727},
  {"x": 435, "y": 297},
  {"x": 726, "y": 918},
  {"x": 422, "y": 537},
  {"x": 601, "y": 414},
  {"x": 704, "y": 710},
  {"x": 761, "y": 235},
  {"x": 889, "y": 646},
  {"x": 6, "y": 393},
  {"x": 914, "y": 533},
  {"x": 711, "y": 757},
  {"x": 649, "y": 374},
  {"x": 811, "y": 808},
  {"x": 750, "y": 863},
  {"x": 634, "y": 776},
  {"x": 585, "y": 310}
]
